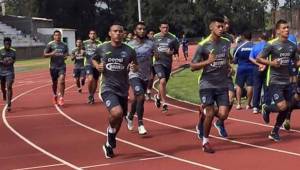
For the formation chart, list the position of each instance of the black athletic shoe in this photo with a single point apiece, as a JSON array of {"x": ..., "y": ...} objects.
[
  {"x": 157, "y": 101},
  {"x": 108, "y": 151},
  {"x": 221, "y": 128},
  {"x": 9, "y": 108},
  {"x": 164, "y": 108},
  {"x": 274, "y": 136},
  {"x": 91, "y": 100},
  {"x": 111, "y": 139},
  {"x": 265, "y": 114}
]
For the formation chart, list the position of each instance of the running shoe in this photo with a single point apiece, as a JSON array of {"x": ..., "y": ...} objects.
[
  {"x": 265, "y": 114},
  {"x": 142, "y": 130},
  {"x": 221, "y": 128},
  {"x": 274, "y": 136},
  {"x": 164, "y": 108},
  {"x": 108, "y": 151},
  {"x": 207, "y": 148},
  {"x": 129, "y": 122},
  {"x": 157, "y": 101},
  {"x": 286, "y": 124},
  {"x": 61, "y": 101}
]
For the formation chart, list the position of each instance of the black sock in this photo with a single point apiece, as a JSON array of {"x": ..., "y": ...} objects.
[
  {"x": 82, "y": 82},
  {"x": 78, "y": 83},
  {"x": 133, "y": 110},
  {"x": 140, "y": 111},
  {"x": 279, "y": 121}
]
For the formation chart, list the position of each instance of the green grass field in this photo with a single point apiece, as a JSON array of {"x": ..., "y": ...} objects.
[
  {"x": 33, "y": 64},
  {"x": 187, "y": 82}
]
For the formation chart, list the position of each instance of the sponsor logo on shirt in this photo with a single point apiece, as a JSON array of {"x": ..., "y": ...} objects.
[
  {"x": 123, "y": 54},
  {"x": 108, "y": 103},
  {"x": 246, "y": 49},
  {"x": 114, "y": 66}
]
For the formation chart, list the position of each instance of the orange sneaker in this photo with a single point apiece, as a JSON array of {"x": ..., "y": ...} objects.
[
  {"x": 54, "y": 99},
  {"x": 61, "y": 101}
]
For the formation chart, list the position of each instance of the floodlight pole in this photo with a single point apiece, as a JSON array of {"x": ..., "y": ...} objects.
[{"x": 139, "y": 10}]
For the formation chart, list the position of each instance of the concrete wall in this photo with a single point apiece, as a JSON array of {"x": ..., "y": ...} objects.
[
  {"x": 29, "y": 52},
  {"x": 69, "y": 34},
  {"x": 27, "y": 25}
]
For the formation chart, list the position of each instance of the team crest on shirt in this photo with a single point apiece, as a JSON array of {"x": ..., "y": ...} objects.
[
  {"x": 203, "y": 99},
  {"x": 224, "y": 49},
  {"x": 123, "y": 54},
  {"x": 137, "y": 88},
  {"x": 276, "y": 96},
  {"x": 108, "y": 103}
]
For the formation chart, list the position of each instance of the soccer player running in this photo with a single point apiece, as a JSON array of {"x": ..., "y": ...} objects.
[
  {"x": 78, "y": 55},
  {"x": 244, "y": 70},
  {"x": 219, "y": 123},
  {"x": 166, "y": 45},
  {"x": 277, "y": 55},
  {"x": 212, "y": 56},
  {"x": 7, "y": 71},
  {"x": 92, "y": 75},
  {"x": 185, "y": 47},
  {"x": 57, "y": 51},
  {"x": 139, "y": 80},
  {"x": 112, "y": 60}
]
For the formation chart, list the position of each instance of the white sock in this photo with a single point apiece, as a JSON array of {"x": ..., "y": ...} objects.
[
  {"x": 204, "y": 140},
  {"x": 111, "y": 130}
]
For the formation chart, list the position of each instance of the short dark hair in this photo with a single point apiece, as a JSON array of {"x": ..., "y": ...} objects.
[
  {"x": 116, "y": 23},
  {"x": 139, "y": 23},
  {"x": 279, "y": 22},
  {"x": 164, "y": 22},
  {"x": 149, "y": 30},
  {"x": 247, "y": 35},
  {"x": 217, "y": 19},
  {"x": 92, "y": 30},
  {"x": 56, "y": 31},
  {"x": 7, "y": 39}
]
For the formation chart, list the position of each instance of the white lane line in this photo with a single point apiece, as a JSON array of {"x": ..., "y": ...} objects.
[
  {"x": 40, "y": 167},
  {"x": 32, "y": 115},
  {"x": 220, "y": 138},
  {"x": 135, "y": 145},
  {"x": 123, "y": 162},
  {"x": 28, "y": 141},
  {"x": 230, "y": 118}
]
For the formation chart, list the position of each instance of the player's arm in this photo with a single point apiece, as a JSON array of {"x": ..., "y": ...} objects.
[
  {"x": 296, "y": 58},
  {"x": 235, "y": 58},
  {"x": 72, "y": 55},
  {"x": 263, "y": 57},
  {"x": 134, "y": 64},
  {"x": 230, "y": 66},
  {"x": 48, "y": 52},
  {"x": 96, "y": 60},
  {"x": 198, "y": 62}
]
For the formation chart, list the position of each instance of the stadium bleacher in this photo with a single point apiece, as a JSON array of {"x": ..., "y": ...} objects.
[{"x": 19, "y": 39}]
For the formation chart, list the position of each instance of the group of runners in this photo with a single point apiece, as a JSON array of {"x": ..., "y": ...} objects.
[{"x": 124, "y": 65}]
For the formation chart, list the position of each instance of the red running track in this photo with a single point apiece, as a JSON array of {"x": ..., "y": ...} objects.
[{"x": 38, "y": 135}]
